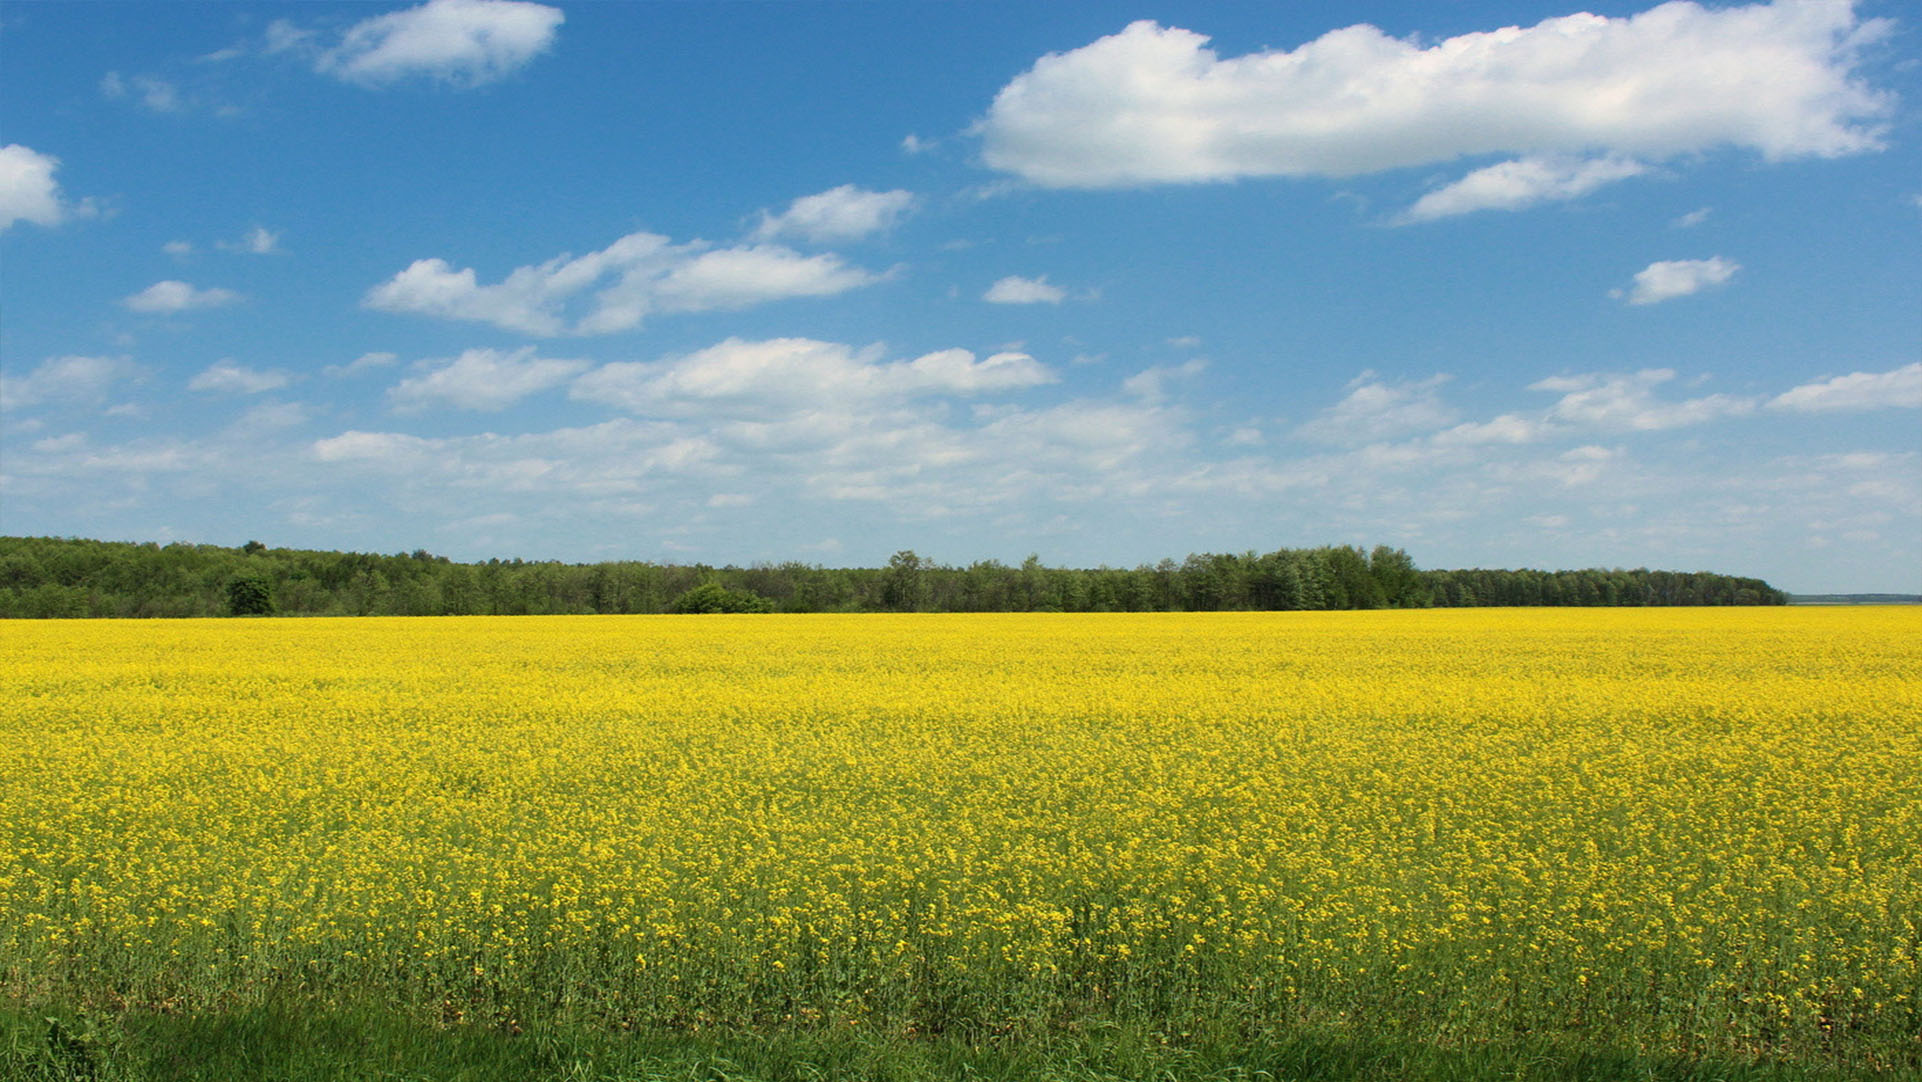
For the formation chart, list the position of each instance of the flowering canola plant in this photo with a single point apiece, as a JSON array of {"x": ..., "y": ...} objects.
[{"x": 1691, "y": 829}]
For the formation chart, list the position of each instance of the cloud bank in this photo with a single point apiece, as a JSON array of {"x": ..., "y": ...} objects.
[{"x": 1155, "y": 105}]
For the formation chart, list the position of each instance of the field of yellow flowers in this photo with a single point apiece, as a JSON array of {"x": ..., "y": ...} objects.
[{"x": 1698, "y": 831}]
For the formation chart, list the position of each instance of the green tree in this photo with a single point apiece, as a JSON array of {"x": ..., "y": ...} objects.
[
  {"x": 902, "y": 588},
  {"x": 250, "y": 595},
  {"x": 712, "y": 597}
]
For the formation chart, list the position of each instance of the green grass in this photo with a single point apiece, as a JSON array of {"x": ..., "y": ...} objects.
[{"x": 315, "y": 1043}]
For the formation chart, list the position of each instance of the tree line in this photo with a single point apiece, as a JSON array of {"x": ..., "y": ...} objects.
[{"x": 64, "y": 577}]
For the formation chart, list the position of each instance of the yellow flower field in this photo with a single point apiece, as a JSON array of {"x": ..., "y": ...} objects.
[{"x": 1685, "y": 829}]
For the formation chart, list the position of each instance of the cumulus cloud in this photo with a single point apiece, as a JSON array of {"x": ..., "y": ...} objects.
[
  {"x": 783, "y": 375},
  {"x": 1629, "y": 403},
  {"x": 465, "y": 43},
  {"x": 638, "y": 275},
  {"x": 72, "y": 378},
  {"x": 1374, "y": 410},
  {"x": 1667, "y": 279},
  {"x": 837, "y": 215},
  {"x": 226, "y": 377},
  {"x": 28, "y": 192},
  {"x": 1154, "y": 104},
  {"x": 1015, "y": 289},
  {"x": 483, "y": 379},
  {"x": 1856, "y": 391},
  {"x": 1523, "y": 182},
  {"x": 169, "y": 297}
]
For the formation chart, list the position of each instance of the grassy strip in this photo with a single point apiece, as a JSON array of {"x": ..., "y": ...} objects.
[{"x": 283, "y": 1044}]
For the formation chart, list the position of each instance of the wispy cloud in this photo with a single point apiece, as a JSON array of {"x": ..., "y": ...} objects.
[
  {"x": 1901, "y": 387},
  {"x": 1375, "y": 410},
  {"x": 71, "y": 378},
  {"x": 229, "y": 378},
  {"x": 1523, "y": 182},
  {"x": 638, "y": 275},
  {"x": 483, "y": 379}
]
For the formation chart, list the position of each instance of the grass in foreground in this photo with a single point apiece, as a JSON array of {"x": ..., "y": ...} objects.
[{"x": 278, "y": 1044}]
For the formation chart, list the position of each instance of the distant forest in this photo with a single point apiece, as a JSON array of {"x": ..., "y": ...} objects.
[{"x": 58, "y": 577}]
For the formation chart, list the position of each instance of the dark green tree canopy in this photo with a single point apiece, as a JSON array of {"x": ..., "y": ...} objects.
[{"x": 52, "y": 577}]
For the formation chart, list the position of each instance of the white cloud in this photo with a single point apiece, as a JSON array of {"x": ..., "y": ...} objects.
[
  {"x": 1506, "y": 428},
  {"x": 1150, "y": 384},
  {"x": 28, "y": 192},
  {"x": 1015, "y": 289},
  {"x": 168, "y": 297},
  {"x": 1667, "y": 279},
  {"x": 258, "y": 241},
  {"x": 1153, "y": 104},
  {"x": 364, "y": 363},
  {"x": 283, "y": 36},
  {"x": 226, "y": 377},
  {"x": 1693, "y": 218},
  {"x": 74, "y": 378},
  {"x": 156, "y": 95},
  {"x": 614, "y": 458},
  {"x": 784, "y": 375},
  {"x": 839, "y": 214},
  {"x": 1628, "y": 403},
  {"x": 638, "y": 275},
  {"x": 466, "y": 43},
  {"x": 178, "y": 248},
  {"x": 1856, "y": 391},
  {"x": 268, "y": 418},
  {"x": 484, "y": 379},
  {"x": 1374, "y": 411},
  {"x": 730, "y": 278},
  {"x": 1523, "y": 182}
]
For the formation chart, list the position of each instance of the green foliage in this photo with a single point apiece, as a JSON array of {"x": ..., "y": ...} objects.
[
  {"x": 326, "y": 1042},
  {"x": 250, "y": 595},
  {"x": 53, "y": 577},
  {"x": 712, "y": 597}
]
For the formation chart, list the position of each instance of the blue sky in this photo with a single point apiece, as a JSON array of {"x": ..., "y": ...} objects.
[{"x": 1505, "y": 284}]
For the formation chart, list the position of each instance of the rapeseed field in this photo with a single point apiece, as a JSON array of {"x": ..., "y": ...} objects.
[{"x": 1696, "y": 832}]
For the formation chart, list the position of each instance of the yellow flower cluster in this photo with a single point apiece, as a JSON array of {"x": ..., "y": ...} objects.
[{"x": 1693, "y": 828}]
